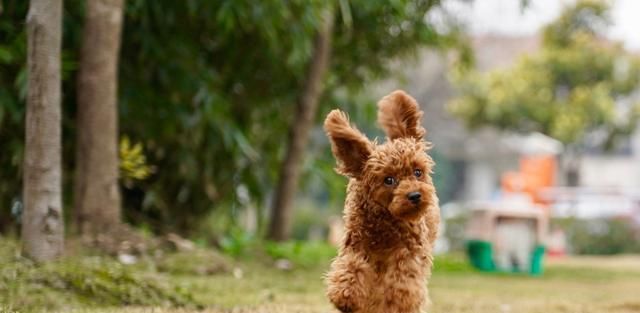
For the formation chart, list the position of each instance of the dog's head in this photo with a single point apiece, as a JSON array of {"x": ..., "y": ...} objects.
[{"x": 395, "y": 174}]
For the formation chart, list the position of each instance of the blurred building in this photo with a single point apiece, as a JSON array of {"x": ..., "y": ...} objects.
[{"x": 480, "y": 157}]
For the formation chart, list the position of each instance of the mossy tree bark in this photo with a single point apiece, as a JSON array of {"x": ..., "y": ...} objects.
[
  {"x": 97, "y": 194},
  {"x": 42, "y": 221}
]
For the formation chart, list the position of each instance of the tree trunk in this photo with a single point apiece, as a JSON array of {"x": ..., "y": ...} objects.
[
  {"x": 307, "y": 104},
  {"x": 42, "y": 221},
  {"x": 97, "y": 195}
]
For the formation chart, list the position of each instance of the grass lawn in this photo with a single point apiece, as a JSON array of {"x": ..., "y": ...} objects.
[
  {"x": 605, "y": 284},
  {"x": 586, "y": 284}
]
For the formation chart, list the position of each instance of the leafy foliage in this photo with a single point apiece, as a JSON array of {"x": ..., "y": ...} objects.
[
  {"x": 208, "y": 88},
  {"x": 575, "y": 85},
  {"x": 231, "y": 88},
  {"x": 133, "y": 162},
  {"x": 13, "y": 48}
]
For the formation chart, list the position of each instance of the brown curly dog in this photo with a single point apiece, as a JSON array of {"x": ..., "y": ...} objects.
[{"x": 391, "y": 212}]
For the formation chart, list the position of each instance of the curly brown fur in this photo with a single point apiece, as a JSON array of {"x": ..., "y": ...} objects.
[
  {"x": 399, "y": 115},
  {"x": 386, "y": 254}
]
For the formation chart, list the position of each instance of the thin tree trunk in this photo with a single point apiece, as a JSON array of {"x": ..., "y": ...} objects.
[
  {"x": 307, "y": 104},
  {"x": 97, "y": 195},
  {"x": 43, "y": 223}
]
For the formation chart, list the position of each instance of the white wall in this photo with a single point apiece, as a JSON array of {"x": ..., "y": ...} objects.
[
  {"x": 481, "y": 181},
  {"x": 613, "y": 170}
]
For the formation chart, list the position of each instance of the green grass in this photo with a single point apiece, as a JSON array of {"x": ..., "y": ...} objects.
[
  {"x": 606, "y": 284},
  {"x": 83, "y": 281}
]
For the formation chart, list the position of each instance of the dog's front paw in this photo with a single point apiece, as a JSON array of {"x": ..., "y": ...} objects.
[
  {"x": 343, "y": 300},
  {"x": 344, "y": 309}
]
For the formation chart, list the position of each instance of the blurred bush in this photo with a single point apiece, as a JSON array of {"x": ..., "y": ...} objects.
[
  {"x": 302, "y": 253},
  {"x": 312, "y": 218},
  {"x": 239, "y": 243},
  {"x": 455, "y": 232},
  {"x": 601, "y": 236}
]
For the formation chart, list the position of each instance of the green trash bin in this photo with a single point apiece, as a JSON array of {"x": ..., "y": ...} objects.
[
  {"x": 537, "y": 259},
  {"x": 480, "y": 254}
]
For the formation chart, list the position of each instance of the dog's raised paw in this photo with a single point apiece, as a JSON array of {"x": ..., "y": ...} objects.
[{"x": 343, "y": 301}]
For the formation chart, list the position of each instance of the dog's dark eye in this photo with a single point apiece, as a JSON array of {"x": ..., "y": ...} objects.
[
  {"x": 389, "y": 181},
  {"x": 417, "y": 172}
]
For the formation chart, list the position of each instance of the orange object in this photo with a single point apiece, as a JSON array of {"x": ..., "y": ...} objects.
[
  {"x": 512, "y": 182},
  {"x": 536, "y": 173}
]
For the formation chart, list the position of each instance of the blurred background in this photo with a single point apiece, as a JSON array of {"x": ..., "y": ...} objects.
[{"x": 193, "y": 152}]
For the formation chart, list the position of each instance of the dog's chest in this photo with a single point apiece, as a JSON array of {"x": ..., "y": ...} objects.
[
  {"x": 398, "y": 251},
  {"x": 384, "y": 236}
]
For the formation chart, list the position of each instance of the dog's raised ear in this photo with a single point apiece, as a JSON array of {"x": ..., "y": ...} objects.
[
  {"x": 399, "y": 115},
  {"x": 350, "y": 147}
]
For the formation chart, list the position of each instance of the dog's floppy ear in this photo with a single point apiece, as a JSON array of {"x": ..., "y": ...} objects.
[
  {"x": 399, "y": 115},
  {"x": 350, "y": 147}
]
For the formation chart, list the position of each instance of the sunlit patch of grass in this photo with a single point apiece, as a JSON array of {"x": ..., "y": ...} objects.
[
  {"x": 256, "y": 284},
  {"x": 452, "y": 263},
  {"x": 196, "y": 262},
  {"x": 564, "y": 287}
]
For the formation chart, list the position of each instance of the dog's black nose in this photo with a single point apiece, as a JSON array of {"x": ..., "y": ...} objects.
[{"x": 414, "y": 197}]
